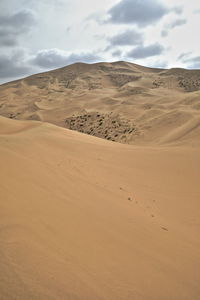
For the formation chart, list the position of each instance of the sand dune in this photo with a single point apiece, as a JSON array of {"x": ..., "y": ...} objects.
[
  {"x": 152, "y": 103},
  {"x": 85, "y": 218},
  {"x": 82, "y": 217}
]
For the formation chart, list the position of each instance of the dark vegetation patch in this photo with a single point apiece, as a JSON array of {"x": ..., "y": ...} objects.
[
  {"x": 190, "y": 84},
  {"x": 189, "y": 80},
  {"x": 107, "y": 126}
]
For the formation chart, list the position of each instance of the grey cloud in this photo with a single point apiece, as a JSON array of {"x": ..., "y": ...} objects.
[
  {"x": 13, "y": 66},
  {"x": 178, "y": 22},
  {"x": 129, "y": 37},
  {"x": 68, "y": 29},
  {"x": 54, "y": 58},
  {"x": 164, "y": 33},
  {"x": 12, "y": 26},
  {"x": 177, "y": 9},
  {"x": 117, "y": 53},
  {"x": 7, "y": 39},
  {"x": 192, "y": 62},
  {"x": 56, "y": 4},
  {"x": 19, "y": 63},
  {"x": 194, "y": 65},
  {"x": 19, "y": 21},
  {"x": 146, "y": 51},
  {"x": 175, "y": 23},
  {"x": 195, "y": 59},
  {"x": 196, "y": 11},
  {"x": 183, "y": 55},
  {"x": 140, "y": 12}
]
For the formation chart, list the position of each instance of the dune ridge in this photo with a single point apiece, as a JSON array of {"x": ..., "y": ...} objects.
[{"x": 153, "y": 103}]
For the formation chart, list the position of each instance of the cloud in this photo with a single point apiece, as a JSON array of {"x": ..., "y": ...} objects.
[
  {"x": 196, "y": 11},
  {"x": 175, "y": 23},
  {"x": 178, "y": 22},
  {"x": 183, "y": 55},
  {"x": 55, "y": 58},
  {"x": 139, "y": 12},
  {"x": 7, "y": 39},
  {"x": 68, "y": 29},
  {"x": 164, "y": 33},
  {"x": 12, "y": 66},
  {"x": 117, "y": 53},
  {"x": 128, "y": 37},
  {"x": 177, "y": 9},
  {"x": 20, "y": 63},
  {"x": 14, "y": 25},
  {"x": 160, "y": 64},
  {"x": 145, "y": 51},
  {"x": 20, "y": 21},
  {"x": 192, "y": 62}
]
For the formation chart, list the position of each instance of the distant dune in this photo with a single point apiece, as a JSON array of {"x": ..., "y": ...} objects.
[
  {"x": 119, "y": 101},
  {"x": 85, "y": 218}
]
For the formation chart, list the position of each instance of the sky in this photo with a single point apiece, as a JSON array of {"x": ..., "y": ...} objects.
[{"x": 41, "y": 35}]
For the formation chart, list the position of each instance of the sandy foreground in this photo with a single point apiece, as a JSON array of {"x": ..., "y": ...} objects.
[{"x": 85, "y": 218}]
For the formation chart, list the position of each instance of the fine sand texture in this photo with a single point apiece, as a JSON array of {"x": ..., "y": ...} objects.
[
  {"x": 118, "y": 101},
  {"x": 84, "y": 218}
]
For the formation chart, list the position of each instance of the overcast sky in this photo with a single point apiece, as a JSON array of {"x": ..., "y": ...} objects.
[{"x": 40, "y": 35}]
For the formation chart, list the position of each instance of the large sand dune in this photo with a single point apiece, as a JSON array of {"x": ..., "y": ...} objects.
[
  {"x": 85, "y": 218},
  {"x": 118, "y": 101}
]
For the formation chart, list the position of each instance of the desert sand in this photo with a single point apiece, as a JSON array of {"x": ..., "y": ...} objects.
[
  {"x": 86, "y": 218},
  {"x": 83, "y": 217},
  {"x": 119, "y": 101}
]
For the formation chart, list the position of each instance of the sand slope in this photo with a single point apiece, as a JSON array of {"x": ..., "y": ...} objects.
[
  {"x": 85, "y": 218},
  {"x": 119, "y": 101}
]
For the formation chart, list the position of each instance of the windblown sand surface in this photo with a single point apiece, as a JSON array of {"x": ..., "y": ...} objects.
[
  {"x": 85, "y": 218},
  {"x": 118, "y": 101}
]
